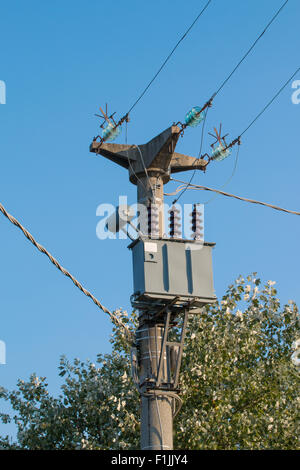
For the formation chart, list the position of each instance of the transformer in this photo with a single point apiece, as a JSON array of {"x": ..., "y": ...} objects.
[{"x": 172, "y": 269}]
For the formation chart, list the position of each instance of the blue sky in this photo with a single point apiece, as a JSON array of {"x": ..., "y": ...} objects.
[{"x": 60, "y": 62}]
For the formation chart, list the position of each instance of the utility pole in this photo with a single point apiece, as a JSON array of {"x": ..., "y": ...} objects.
[{"x": 159, "y": 292}]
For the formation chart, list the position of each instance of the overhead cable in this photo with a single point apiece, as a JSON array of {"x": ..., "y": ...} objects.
[
  {"x": 251, "y": 48},
  {"x": 205, "y": 188},
  {"x": 270, "y": 102},
  {"x": 169, "y": 56},
  {"x": 28, "y": 235}
]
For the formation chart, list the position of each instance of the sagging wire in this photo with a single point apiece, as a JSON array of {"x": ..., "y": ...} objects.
[
  {"x": 252, "y": 201},
  {"x": 110, "y": 132},
  {"x": 221, "y": 153},
  {"x": 169, "y": 56},
  {"x": 196, "y": 115},
  {"x": 238, "y": 139},
  {"x": 54, "y": 261},
  {"x": 251, "y": 48},
  {"x": 113, "y": 128},
  {"x": 196, "y": 112},
  {"x": 181, "y": 189},
  {"x": 270, "y": 102}
]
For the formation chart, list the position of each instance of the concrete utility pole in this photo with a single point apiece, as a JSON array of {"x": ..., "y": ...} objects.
[{"x": 150, "y": 166}]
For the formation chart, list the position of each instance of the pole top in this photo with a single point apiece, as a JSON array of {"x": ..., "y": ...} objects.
[{"x": 156, "y": 158}]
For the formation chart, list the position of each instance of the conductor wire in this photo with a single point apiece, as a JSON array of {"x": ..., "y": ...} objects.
[
  {"x": 251, "y": 48},
  {"x": 168, "y": 57}
]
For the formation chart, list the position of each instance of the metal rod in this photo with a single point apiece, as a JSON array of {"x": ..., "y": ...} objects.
[
  {"x": 183, "y": 331},
  {"x": 163, "y": 348}
]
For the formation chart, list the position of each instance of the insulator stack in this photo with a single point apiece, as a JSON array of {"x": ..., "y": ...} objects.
[
  {"x": 110, "y": 132},
  {"x": 220, "y": 153},
  {"x": 153, "y": 220},
  {"x": 197, "y": 228},
  {"x": 194, "y": 117},
  {"x": 175, "y": 222}
]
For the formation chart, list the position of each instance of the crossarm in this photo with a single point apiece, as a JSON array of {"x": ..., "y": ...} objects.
[{"x": 180, "y": 162}]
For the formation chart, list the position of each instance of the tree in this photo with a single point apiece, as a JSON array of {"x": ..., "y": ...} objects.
[{"x": 240, "y": 389}]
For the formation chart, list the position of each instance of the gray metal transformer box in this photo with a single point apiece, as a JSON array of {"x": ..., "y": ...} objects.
[{"x": 169, "y": 268}]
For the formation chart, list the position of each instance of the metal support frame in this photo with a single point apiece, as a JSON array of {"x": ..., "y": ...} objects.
[
  {"x": 165, "y": 343},
  {"x": 157, "y": 381},
  {"x": 158, "y": 384}
]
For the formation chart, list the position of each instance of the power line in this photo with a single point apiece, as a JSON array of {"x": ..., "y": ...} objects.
[
  {"x": 270, "y": 102},
  {"x": 125, "y": 118},
  {"x": 169, "y": 56},
  {"x": 209, "y": 102},
  {"x": 28, "y": 235},
  {"x": 224, "y": 83},
  {"x": 251, "y": 48},
  {"x": 205, "y": 188},
  {"x": 247, "y": 128}
]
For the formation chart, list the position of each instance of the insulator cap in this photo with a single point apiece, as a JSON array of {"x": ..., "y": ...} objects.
[
  {"x": 175, "y": 222},
  {"x": 110, "y": 132},
  {"x": 197, "y": 228},
  {"x": 194, "y": 117},
  {"x": 153, "y": 220},
  {"x": 220, "y": 153}
]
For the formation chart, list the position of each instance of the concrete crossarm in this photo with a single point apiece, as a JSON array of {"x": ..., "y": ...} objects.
[
  {"x": 180, "y": 162},
  {"x": 158, "y": 156},
  {"x": 117, "y": 153}
]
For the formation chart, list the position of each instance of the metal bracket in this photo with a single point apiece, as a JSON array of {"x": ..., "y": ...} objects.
[
  {"x": 166, "y": 343},
  {"x": 163, "y": 349},
  {"x": 181, "y": 344}
]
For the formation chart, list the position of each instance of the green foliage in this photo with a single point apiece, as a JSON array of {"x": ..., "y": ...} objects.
[{"x": 240, "y": 389}]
